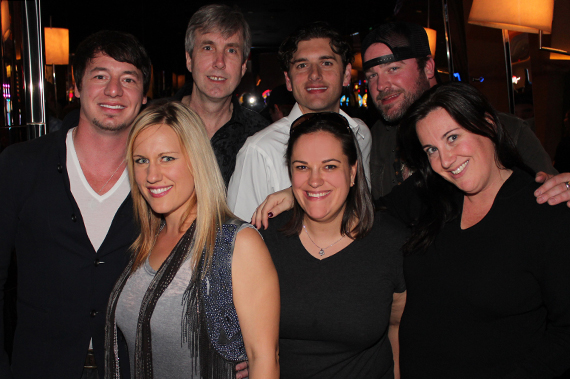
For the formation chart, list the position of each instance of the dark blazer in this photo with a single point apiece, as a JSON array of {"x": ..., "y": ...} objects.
[{"x": 63, "y": 283}]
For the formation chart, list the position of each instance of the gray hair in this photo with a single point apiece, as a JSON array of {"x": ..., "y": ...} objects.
[{"x": 219, "y": 18}]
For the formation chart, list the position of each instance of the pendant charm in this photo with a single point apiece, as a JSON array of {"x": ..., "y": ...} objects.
[{"x": 322, "y": 249}]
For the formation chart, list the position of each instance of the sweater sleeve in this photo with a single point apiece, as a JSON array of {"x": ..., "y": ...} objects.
[{"x": 528, "y": 146}]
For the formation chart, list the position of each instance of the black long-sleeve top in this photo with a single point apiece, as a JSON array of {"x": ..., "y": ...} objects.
[{"x": 493, "y": 300}]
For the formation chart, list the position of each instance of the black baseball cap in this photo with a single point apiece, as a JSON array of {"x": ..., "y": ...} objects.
[{"x": 404, "y": 39}]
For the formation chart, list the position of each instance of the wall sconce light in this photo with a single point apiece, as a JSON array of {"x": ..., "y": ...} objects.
[
  {"x": 57, "y": 45},
  {"x": 527, "y": 16},
  {"x": 57, "y": 50},
  {"x": 5, "y": 17}
]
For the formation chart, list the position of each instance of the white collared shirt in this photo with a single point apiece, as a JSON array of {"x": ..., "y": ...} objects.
[{"x": 261, "y": 168}]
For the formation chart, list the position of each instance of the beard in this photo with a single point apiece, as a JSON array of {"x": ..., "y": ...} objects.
[
  {"x": 393, "y": 113},
  {"x": 111, "y": 127}
]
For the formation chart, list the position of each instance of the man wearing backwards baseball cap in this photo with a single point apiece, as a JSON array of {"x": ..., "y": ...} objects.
[{"x": 399, "y": 68}]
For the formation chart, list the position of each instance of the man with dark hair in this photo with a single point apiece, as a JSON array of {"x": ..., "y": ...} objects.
[
  {"x": 218, "y": 41},
  {"x": 122, "y": 47},
  {"x": 67, "y": 214},
  {"x": 316, "y": 61},
  {"x": 399, "y": 69}
]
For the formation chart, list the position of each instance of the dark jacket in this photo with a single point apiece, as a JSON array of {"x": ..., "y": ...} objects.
[
  {"x": 63, "y": 284},
  {"x": 227, "y": 141}
]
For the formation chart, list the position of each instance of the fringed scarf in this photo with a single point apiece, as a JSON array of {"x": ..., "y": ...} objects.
[{"x": 194, "y": 329}]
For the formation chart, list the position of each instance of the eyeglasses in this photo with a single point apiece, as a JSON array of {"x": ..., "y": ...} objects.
[{"x": 331, "y": 118}]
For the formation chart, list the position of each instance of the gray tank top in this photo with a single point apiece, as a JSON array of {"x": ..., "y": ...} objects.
[{"x": 170, "y": 357}]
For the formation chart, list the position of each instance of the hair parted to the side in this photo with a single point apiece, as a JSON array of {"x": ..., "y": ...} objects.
[
  {"x": 209, "y": 186},
  {"x": 218, "y": 18},
  {"x": 358, "y": 216},
  {"x": 122, "y": 47},
  {"x": 472, "y": 111},
  {"x": 318, "y": 29}
]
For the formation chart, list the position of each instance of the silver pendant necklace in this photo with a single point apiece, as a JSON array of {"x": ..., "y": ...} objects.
[{"x": 322, "y": 249}]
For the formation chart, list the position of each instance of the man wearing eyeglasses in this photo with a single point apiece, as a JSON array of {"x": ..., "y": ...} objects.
[{"x": 317, "y": 63}]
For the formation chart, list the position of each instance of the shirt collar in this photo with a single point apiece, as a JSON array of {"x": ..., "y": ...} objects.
[{"x": 296, "y": 113}]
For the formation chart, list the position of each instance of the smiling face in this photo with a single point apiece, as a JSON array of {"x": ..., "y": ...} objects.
[
  {"x": 465, "y": 159},
  {"x": 395, "y": 86},
  {"x": 321, "y": 176},
  {"x": 316, "y": 76},
  {"x": 111, "y": 93},
  {"x": 217, "y": 65},
  {"x": 162, "y": 172}
]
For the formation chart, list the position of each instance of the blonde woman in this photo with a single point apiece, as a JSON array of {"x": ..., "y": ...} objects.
[{"x": 199, "y": 279}]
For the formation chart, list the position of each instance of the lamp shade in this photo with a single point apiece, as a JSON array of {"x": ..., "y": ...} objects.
[
  {"x": 432, "y": 37},
  {"x": 5, "y": 16},
  {"x": 57, "y": 45},
  {"x": 527, "y": 16},
  {"x": 561, "y": 30}
]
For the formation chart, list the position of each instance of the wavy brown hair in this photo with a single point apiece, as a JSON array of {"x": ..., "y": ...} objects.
[{"x": 317, "y": 29}]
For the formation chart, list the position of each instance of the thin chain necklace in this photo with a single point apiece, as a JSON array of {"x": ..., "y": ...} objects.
[
  {"x": 80, "y": 164},
  {"x": 111, "y": 177},
  {"x": 322, "y": 249}
]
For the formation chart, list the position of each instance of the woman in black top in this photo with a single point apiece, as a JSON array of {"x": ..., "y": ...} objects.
[
  {"x": 339, "y": 265},
  {"x": 487, "y": 268}
]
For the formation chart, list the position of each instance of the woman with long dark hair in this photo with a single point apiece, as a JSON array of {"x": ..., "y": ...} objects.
[{"x": 487, "y": 268}]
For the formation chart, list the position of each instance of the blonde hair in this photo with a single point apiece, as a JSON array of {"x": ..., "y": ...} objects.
[{"x": 209, "y": 187}]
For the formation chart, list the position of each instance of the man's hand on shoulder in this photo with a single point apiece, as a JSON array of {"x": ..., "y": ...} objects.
[{"x": 554, "y": 190}]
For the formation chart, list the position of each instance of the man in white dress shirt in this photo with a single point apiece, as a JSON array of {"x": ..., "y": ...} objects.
[{"x": 317, "y": 63}]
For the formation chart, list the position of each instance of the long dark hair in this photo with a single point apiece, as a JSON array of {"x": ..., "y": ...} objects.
[
  {"x": 471, "y": 110},
  {"x": 359, "y": 201}
]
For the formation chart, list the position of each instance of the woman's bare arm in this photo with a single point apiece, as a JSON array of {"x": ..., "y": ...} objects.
[
  {"x": 398, "y": 304},
  {"x": 257, "y": 302}
]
